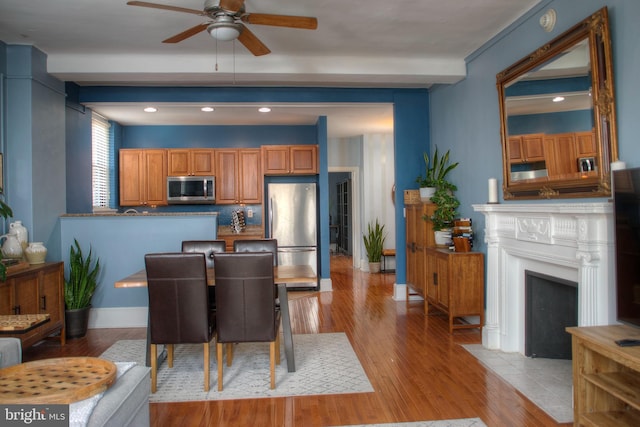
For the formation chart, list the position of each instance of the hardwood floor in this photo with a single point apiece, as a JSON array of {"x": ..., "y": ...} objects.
[{"x": 417, "y": 369}]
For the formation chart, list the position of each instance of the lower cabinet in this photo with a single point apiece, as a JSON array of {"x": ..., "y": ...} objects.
[
  {"x": 37, "y": 289},
  {"x": 606, "y": 377},
  {"x": 455, "y": 286}
]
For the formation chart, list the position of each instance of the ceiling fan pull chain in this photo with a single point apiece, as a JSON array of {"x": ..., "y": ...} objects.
[
  {"x": 216, "y": 55},
  {"x": 234, "y": 62}
]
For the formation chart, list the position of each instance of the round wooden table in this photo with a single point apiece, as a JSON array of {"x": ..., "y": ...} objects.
[{"x": 63, "y": 380}]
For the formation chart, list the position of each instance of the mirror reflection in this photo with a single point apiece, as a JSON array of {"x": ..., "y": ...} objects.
[{"x": 557, "y": 110}]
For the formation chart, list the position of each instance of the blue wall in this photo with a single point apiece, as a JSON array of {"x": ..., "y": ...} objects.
[{"x": 465, "y": 117}]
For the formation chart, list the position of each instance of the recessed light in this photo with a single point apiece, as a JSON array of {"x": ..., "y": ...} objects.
[
  {"x": 264, "y": 109},
  {"x": 558, "y": 99},
  {"x": 207, "y": 109},
  {"x": 150, "y": 110}
]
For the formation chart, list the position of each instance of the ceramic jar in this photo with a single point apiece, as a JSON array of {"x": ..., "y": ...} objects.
[
  {"x": 35, "y": 253},
  {"x": 11, "y": 248},
  {"x": 21, "y": 232}
]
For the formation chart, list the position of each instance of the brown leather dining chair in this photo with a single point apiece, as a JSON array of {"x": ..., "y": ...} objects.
[
  {"x": 208, "y": 248},
  {"x": 179, "y": 311},
  {"x": 246, "y": 296},
  {"x": 258, "y": 245}
]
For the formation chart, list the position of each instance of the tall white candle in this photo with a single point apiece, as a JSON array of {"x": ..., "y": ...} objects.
[{"x": 493, "y": 190}]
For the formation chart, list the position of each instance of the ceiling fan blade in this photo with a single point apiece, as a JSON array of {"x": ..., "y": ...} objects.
[
  {"x": 231, "y": 5},
  {"x": 304, "y": 22},
  {"x": 251, "y": 42},
  {"x": 165, "y": 7},
  {"x": 187, "y": 33}
]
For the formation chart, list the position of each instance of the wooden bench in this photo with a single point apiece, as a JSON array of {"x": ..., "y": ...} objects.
[{"x": 387, "y": 253}]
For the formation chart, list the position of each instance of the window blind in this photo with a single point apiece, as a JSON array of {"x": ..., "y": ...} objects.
[{"x": 100, "y": 160}]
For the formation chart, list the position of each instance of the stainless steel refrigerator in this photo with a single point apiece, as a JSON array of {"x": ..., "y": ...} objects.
[{"x": 292, "y": 220}]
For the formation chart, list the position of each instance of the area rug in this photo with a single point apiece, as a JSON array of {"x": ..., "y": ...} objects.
[
  {"x": 325, "y": 364},
  {"x": 461, "y": 422},
  {"x": 545, "y": 382}
]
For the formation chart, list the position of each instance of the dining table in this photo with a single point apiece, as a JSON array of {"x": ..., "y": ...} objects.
[{"x": 283, "y": 275}]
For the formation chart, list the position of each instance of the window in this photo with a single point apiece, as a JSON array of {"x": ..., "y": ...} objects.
[{"x": 101, "y": 160}]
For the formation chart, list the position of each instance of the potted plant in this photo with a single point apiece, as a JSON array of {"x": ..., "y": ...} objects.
[
  {"x": 5, "y": 212},
  {"x": 373, "y": 243},
  {"x": 446, "y": 211},
  {"x": 79, "y": 289},
  {"x": 436, "y": 170}
]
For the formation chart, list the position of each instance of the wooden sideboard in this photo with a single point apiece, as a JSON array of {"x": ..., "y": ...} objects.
[
  {"x": 36, "y": 289},
  {"x": 606, "y": 377},
  {"x": 451, "y": 282}
]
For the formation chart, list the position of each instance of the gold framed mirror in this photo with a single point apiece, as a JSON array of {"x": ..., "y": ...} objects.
[{"x": 557, "y": 114}]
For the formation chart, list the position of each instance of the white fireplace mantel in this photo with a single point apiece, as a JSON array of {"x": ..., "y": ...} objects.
[{"x": 571, "y": 241}]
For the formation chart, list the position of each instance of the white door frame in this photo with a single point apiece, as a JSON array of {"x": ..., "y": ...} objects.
[{"x": 355, "y": 210}]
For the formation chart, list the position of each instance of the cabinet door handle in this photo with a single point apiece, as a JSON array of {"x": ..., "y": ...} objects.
[
  {"x": 44, "y": 302},
  {"x": 435, "y": 279},
  {"x": 16, "y": 309}
]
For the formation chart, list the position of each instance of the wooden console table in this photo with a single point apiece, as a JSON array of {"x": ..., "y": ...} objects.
[
  {"x": 36, "y": 289},
  {"x": 606, "y": 377}
]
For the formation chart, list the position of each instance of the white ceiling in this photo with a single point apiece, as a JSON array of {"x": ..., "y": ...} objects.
[{"x": 374, "y": 43}]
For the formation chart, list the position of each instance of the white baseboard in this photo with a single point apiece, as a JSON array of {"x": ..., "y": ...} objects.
[
  {"x": 118, "y": 317},
  {"x": 400, "y": 293}
]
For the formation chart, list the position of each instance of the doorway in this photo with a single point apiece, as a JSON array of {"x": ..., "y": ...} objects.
[{"x": 344, "y": 212}]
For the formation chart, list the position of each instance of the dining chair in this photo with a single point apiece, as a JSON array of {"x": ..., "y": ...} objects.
[
  {"x": 207, "y": 247},
  {"x": 258, "y": 245},
  {"x": 179, "y": 311},
  {"x": 246, "y": 295}
]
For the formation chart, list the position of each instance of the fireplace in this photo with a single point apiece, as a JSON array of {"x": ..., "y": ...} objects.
[
  {"x": 550, "y": 306},
  {"x": 570, "y": 242}
]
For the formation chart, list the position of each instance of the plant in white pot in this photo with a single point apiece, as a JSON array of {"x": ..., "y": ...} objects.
[
  {"x": 79, "y": 289},
  {"x": 373, "y": 244},
  {"x": 446, "y": 211},
  {"x": 436, "y": 170}
]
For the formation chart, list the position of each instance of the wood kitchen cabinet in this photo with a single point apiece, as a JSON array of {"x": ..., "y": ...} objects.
[
  {"x": 290, "y": 159},
  {"x": 37, "y": 289},
  {"x": 143, "y": 177},
  {"x": 561, "y": 158},
  {"x": 526, "y": 148},
  {"x": 586, "y": 144},
  {"x": 455, "y": 285},
  {"x": 238, "y": 176},
  {"x": 191, "y": 162},
  {"x": 419, "y": 236},
  {"x": 606, "y": 377}
]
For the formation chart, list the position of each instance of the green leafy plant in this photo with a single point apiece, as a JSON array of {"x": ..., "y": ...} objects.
[
  {"x": 446, "y": 206},
  {"x": 83, "y": 278},
  {"x": 5, "y": 212},
  {"x": 436, "y": 169},
  {"x": 374, "y": 241}
]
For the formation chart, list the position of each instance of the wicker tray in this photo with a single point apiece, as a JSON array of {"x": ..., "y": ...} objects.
[
  {"x": 62, "y": 381},
  {"x": 11, "y": 323}
]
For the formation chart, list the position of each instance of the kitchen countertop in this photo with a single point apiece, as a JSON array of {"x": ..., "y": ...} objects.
[{"x": 249, "y": 230}]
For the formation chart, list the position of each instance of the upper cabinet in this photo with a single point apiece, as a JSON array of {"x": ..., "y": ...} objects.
[
  {"x": 290, "y": 159},
  {"x": 526, "y": 148},
  {"x": 143, "y": 177},
  {"x": 191, "y": 162},
  {"x": 238, "y": 176}
]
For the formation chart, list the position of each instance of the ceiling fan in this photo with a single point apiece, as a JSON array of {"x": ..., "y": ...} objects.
[{"x": 226, "y": 22}]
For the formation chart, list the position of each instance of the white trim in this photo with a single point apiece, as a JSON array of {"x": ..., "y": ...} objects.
[
  {"x": 326, "y": 285},
  {"x": 118, "y": 317}
]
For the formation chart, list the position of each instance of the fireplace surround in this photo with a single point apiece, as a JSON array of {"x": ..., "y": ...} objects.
[{"x": 570, "y": 241}]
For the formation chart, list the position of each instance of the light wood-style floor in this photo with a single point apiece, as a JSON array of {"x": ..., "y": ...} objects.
[{"x": 417, "y": 369}]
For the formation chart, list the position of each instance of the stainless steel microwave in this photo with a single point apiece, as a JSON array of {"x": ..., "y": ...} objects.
[{"x": 191, "y": 190}]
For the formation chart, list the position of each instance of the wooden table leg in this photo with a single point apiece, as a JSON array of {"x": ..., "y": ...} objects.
[{"x": 286, "y": 327}]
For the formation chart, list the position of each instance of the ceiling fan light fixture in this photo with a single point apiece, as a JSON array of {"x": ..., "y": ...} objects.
[
  {"x": 224, "y": 28},
  {"x": 207, "y": 109}
]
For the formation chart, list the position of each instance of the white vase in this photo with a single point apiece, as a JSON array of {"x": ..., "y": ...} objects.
[
  {"x": 36, "y": 253},
  {"x": 11, "y": 248},
  {"x": 21, "y": 232},
  {"x": 426, "y": 193}
]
